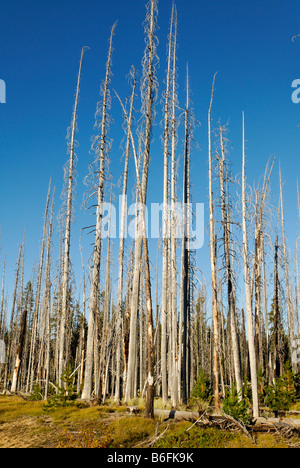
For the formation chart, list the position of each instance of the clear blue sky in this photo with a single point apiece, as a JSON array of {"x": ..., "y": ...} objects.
[{"x": 248, "y": 42}]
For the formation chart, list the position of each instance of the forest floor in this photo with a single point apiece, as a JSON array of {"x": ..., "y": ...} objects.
[{"x": 26, "y": 424}]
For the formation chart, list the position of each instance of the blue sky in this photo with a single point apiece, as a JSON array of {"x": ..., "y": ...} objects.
[{"x": 248, "y": 43}]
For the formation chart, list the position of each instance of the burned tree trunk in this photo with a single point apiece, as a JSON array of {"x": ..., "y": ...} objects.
[{"x": 19, "y": 352}]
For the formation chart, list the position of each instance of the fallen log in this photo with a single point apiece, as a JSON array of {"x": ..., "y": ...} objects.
[
  {"x": 223, "y": 421},
  {"x": 133, "y": 409},
  {"x": 176, "y": 415},
  {"x": 282, "y": 425},
  {"x": 203, "y": 419}
]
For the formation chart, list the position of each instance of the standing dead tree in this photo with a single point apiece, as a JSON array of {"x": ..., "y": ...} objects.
[
  {"x": 33, "y": 344},
  {"x": 176, "y": 352},
  {"x": 213, "y": 264},
  {"x": 290, "y": 310},
  {"x": 19, "y": 352},
  {"x": 248, "y": 292},
  {"x": 232, "y": 309},
  {"x": 119, "y": 319},
  {"x": 100, "y": 146},
  {"x": 166, "y": 224},
  {"x": 185, "y": 258},
  {"x": 148, "y": 95},
  {"x": 69, "y": 182}
]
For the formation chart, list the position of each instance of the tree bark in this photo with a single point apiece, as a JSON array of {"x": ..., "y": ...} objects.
[
  {"x": 67, "y": 229},
  {"x": 213, "y": 265},
  {"x": 19, "y": 352},
  {"x": 100, "y": 147},
  {"x": 247, "y": 280}
]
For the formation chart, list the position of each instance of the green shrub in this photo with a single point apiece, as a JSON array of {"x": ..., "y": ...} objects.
[
  {"x": 202, "y": 389},
  {"x": 282, "y": 395},
  {"x": 66, "y": 395},
  {"x": 36, "y": 394},
  {"x": 236, "y": 406}
]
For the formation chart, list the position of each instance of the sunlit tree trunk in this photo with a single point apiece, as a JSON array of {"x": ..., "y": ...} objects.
[
  {"x": 175, "y": 394},
  {"x": 247, "y": 281},
  {"x": 287, "y": 284},
  {"x": 32, "y": 356},
  {"x": 229, "y": 273},
  {"x": 69, "y": 180},
  {"x": 122, "y": 243},
  {"x": 99, "y": 145},
  {"x": 148, "y": 99},
  {"x": 19, "y": 352},
  {"x": 213, "y": 266}
]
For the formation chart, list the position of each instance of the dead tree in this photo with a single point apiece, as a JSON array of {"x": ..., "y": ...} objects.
[
  {"x": 129, "y": 120},
  {"x": 69, "y": 182},
  {"x": 185, "y": 259},
  {"x": 100, "y": 146},
  {"x": 19, "y": 352},
  {"x": 248, "y": 293},
  {"x": 213, "y": 265},
  {"x": 228, "y": 267},
  {"x": 276, "y": 312},
  {"x": 148, "y": 93},
  {"x": 290, "y": 310}
]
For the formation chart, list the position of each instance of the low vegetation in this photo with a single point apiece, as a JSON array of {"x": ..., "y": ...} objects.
[{"x": 30, "y": 424}]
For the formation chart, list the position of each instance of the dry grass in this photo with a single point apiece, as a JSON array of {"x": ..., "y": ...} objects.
[{"x": 25, "y": 424}]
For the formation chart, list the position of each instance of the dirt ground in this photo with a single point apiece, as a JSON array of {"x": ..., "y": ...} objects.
[{"x": 28, "y": 432}]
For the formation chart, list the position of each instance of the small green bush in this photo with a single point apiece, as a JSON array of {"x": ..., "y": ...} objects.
[
  {"x": 282, "y": 395},
  {"x": 66, "y": 395},
  {"x": 36, "y": 394},
  {"x": 202, "y": 389},
  {"x": 236, "y": 406}
]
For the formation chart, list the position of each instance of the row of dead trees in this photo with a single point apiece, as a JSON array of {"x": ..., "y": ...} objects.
[{"x": 154, "y": 337}]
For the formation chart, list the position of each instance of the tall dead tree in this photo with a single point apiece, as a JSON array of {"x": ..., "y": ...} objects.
[
  {"x": 276, "y": 313},
  {"x": 47, "y": 302},
  {"x": 12, "y": 325},
  {"x": 33, "y": 350},
  {"x": 2, "y": 305},
  {"x": 100, "y": 146},
  {"x": 119, "y": 319},
  {"x": 290, "y": 310},
  {"x": 175, "y": 390},
  {"x": 228, "y": 267},
  {"x": 19, "y": 352},
  {"x": 165, "y": 303},
  {"x": 258, "y": 261},
  {"x": 68, "y": 190},
  {"x": 185, "y": 265},
  {"x": 148, "y": 94},
  {"x": 213, "y": 264},
  {"x": 248, "y": 292}
]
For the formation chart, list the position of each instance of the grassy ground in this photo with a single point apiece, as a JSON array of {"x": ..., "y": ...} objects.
[{"x": 25, "y": 424}]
